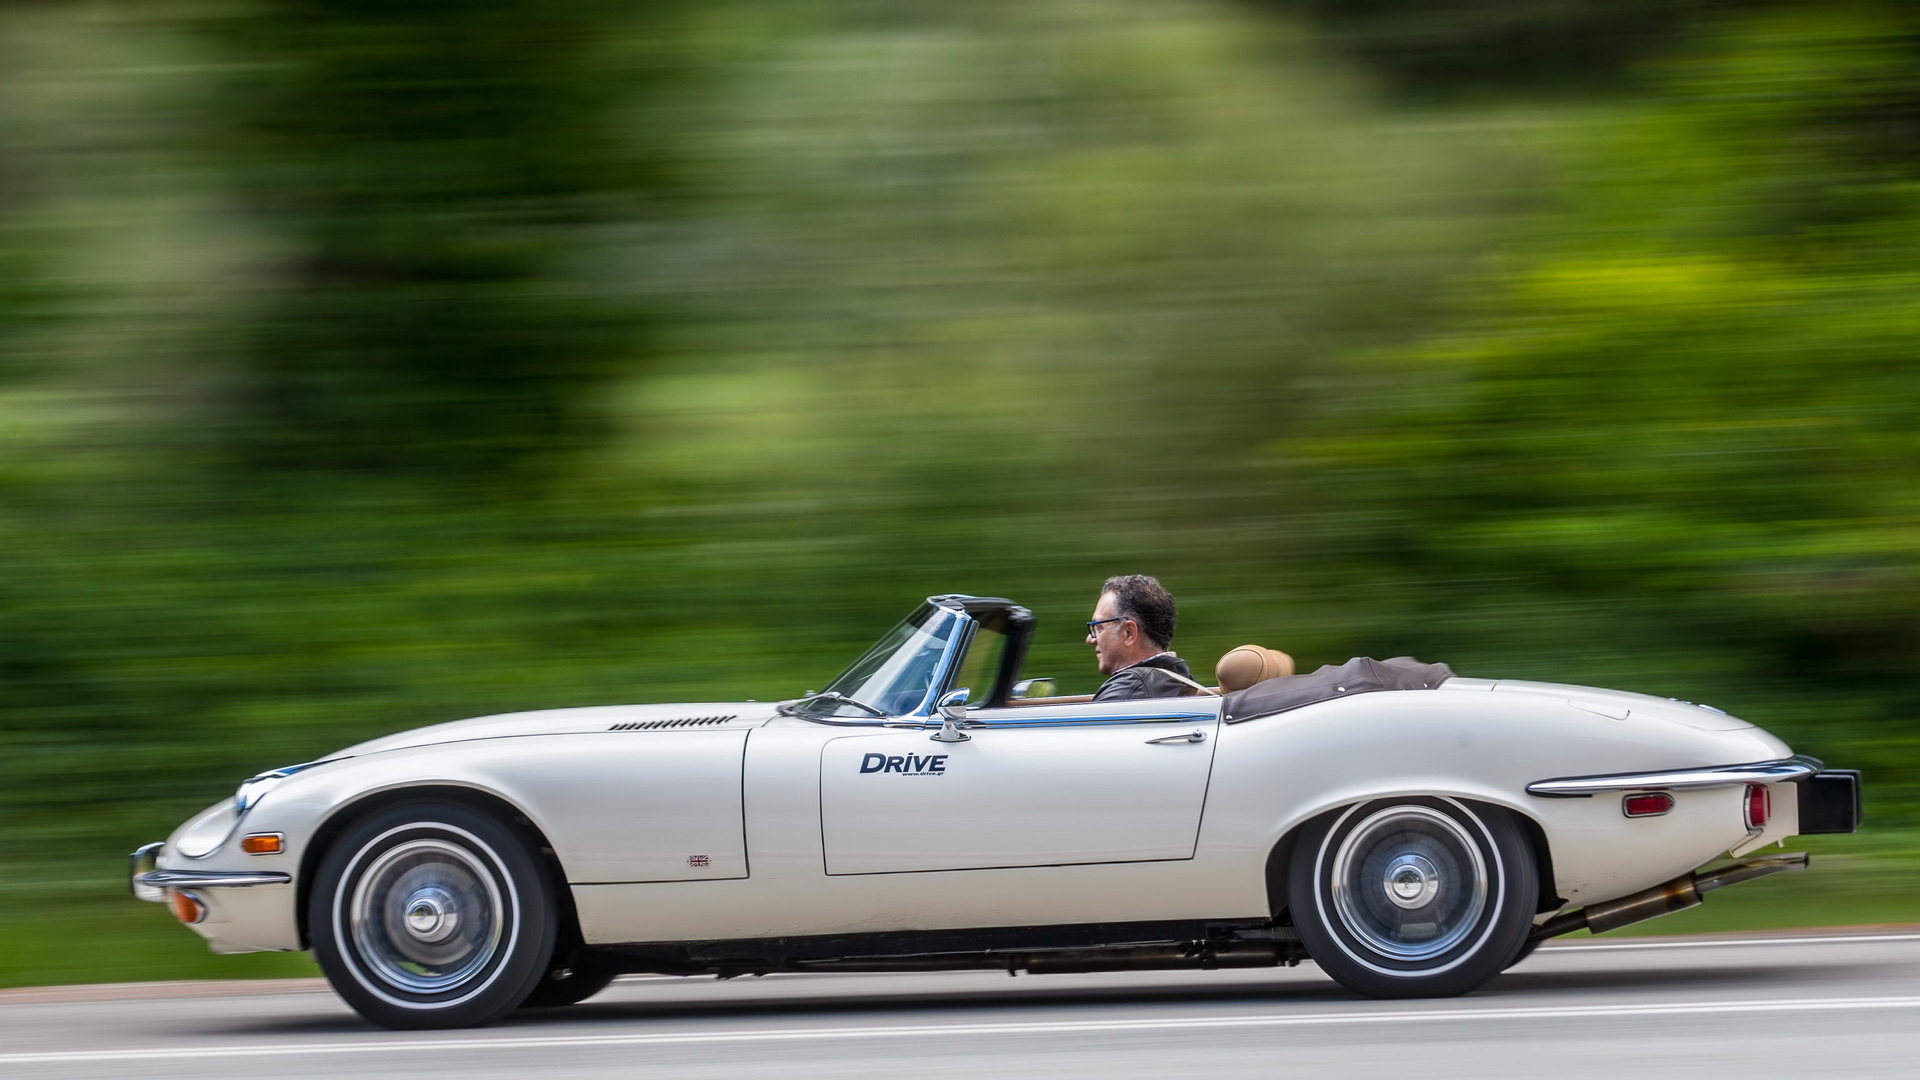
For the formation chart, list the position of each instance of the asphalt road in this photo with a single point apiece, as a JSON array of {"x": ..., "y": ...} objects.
[{"x": 1785, "y": 1005}]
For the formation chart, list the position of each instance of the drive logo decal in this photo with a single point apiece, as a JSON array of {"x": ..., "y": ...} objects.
[{"x": 908, "y": 764}]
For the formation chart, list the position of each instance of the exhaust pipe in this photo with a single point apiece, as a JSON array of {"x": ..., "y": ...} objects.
[{"x": 1679, "y": 894}]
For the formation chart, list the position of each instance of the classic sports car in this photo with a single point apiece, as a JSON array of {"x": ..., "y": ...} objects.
[{"x": 1412, "y": 832}]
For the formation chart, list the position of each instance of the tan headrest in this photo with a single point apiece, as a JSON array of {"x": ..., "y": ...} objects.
[{"x": 1249, "y": 664}]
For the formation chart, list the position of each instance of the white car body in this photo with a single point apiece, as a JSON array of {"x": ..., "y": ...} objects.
[{"x": 741, "y": 822}]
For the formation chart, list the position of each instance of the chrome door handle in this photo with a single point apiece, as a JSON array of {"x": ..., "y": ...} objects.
[{"x": 1189, "y": 737}]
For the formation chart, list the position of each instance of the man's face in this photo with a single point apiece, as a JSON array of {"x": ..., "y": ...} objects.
[{"x": 1113, "y": 642}]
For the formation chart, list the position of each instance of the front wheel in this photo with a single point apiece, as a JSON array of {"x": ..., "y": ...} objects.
[
  {"x": 1413, "y": 897},
  {"x": 432, "y": 915}
]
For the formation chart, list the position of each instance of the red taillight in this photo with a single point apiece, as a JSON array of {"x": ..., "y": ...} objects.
[
  {"x": 1759, "y": 807},
  {"x": 1646, "y": 804}
]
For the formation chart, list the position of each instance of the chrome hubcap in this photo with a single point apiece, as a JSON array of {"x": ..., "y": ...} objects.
[
  {"x": 431, "y": 916},
  {"x": 1409, "y": 882},
  {"x": 427, "y": 916}
]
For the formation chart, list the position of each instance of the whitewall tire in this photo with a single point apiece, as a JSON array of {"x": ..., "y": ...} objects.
[
  {"x": 432, "y": 915},
  {"x": 1413, "y": 897}
]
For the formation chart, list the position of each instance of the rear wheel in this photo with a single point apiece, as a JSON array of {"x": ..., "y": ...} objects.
[
  {"x": 1526, "y": 950},
  {"x": 432, "y": 915},
  {"x": 1413, "y": 897}
]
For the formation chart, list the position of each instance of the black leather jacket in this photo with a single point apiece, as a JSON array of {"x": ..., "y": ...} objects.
[{"x": 1147, "y": 679}]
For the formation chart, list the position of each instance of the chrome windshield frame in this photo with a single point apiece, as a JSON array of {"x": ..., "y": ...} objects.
[
  {"x": 957, "y": 644},
  {"x": 954, "y": 646}
]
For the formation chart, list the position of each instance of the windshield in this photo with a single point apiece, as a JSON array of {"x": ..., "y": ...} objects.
[{"x": 895, "y": 675}]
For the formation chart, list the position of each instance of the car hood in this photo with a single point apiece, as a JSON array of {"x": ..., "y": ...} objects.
[{"x": 703, "y": 716}]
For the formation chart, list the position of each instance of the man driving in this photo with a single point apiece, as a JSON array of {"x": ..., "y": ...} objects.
[{"x": 1132, "y": 626}]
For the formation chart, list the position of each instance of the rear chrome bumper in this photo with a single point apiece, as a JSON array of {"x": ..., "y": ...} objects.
[
  {"x": 148, "y": 882},
  {"x": 1759, "y": 772},
  {"x": 1829, "y": 799}
]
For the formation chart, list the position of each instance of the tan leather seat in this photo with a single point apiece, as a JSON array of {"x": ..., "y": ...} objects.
[{"x": 1249, "y": 664}]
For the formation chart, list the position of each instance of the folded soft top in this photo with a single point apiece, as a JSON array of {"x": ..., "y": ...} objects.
[{"x": 1357, "y": 676}]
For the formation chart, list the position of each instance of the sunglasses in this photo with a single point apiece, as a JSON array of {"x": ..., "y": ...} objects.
[{"x": 1094, "y": 626}]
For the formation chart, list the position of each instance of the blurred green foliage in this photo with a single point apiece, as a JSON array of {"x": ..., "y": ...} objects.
[
  {"x": 1677, "y": 434},
  {"x": 431, "y": 173},
  {"x": 367, "y": 366}
]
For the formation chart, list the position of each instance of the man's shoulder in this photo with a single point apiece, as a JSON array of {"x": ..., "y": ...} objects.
[
  {"x": 1165, "y": 661},
  {"x": 1125, "y": 683},
  {"x": 1165, "y": 675}
]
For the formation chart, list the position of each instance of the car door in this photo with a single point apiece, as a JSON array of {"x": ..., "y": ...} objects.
[{"x": 1031, "y": 786}]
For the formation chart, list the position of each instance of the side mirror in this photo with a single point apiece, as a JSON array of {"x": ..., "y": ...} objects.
[
  {"x": 1043, "y": 686},
  {"x": 953, "y": 713}
]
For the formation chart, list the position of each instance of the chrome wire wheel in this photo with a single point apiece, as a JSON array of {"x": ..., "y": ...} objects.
[
  {"x": 1409, "y": 882},
  {"x": 427, "y": 916},
  {"x": 433, "y": 915},
  {"x": 1412, "y": 896}
]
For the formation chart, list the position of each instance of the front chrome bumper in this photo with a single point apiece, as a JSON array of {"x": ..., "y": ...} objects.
[{"x": 148, "y": 882}]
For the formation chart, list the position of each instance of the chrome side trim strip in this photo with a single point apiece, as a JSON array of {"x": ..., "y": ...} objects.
[
  {"x": 1759, "y": 772},
  {"x": 208, "y": 879}
]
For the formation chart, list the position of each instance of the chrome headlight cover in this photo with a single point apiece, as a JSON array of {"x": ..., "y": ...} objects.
[
  {"x": 212, "y": 827},
  {"x": 255, "y": 788},
  {"x": 207, "y": 830}
]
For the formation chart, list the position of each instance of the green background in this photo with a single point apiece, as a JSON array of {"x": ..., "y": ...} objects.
[{"x": 363, "y": 368}]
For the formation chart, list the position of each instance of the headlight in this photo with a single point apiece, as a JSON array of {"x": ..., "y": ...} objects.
[
  {"x": 255, "y": 788},
  {"x": 207, "y": 831}
]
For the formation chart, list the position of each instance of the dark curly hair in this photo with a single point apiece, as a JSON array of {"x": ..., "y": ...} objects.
[{"x": 1141, "y": 599}]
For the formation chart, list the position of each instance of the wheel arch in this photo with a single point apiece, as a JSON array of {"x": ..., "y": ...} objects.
[
  {"x": 345, "y": 815},
  {"x": 1280, "y": 855}
]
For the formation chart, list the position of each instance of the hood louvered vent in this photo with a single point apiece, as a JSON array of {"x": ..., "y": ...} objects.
[{"x": 682, "y": 722}]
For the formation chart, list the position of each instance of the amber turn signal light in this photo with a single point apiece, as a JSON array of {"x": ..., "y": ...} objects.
[
  {"x": 187, "y": 907},
  {"x": 265, "y": 843}
]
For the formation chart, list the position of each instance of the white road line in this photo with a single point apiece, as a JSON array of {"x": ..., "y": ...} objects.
[
  {"x": 1379, "y": 1016},
  {"x": 1827, "y": 939}
]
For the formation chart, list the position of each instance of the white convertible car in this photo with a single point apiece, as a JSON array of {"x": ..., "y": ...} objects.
[{"x": 1411, "y": 831}]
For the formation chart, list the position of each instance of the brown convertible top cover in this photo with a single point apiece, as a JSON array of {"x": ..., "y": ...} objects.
[{"x": 1357, "y": 676}]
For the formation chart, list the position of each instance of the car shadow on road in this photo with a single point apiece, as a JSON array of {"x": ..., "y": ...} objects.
[
  {"x": 814, "y": 997},
  {"x": 1745, "y": 977}
]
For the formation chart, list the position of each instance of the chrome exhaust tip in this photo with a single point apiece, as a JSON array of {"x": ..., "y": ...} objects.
[{"x": 1679, "y": 894}]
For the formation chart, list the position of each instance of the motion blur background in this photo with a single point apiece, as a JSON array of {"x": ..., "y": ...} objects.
[{"x": 369, "y": 364}]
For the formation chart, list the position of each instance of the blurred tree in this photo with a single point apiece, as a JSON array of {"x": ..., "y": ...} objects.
[
  {"x": 1679, "y": 437},
  {"x": 431, "y": 171},
  {"x": 29, "y": 298},
  {"x": 1427, "y": 47}
]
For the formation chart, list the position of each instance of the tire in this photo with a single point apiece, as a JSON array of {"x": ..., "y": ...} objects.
[
  {"x": 1413, "y": 897},
  {"x": 568, "y": 983},
  {"x": 432, "y": 915},
  {"x": 1526, "y": 950}
]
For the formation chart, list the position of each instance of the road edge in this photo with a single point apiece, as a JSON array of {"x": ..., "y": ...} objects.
[{"x": 192, "y": 988}]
